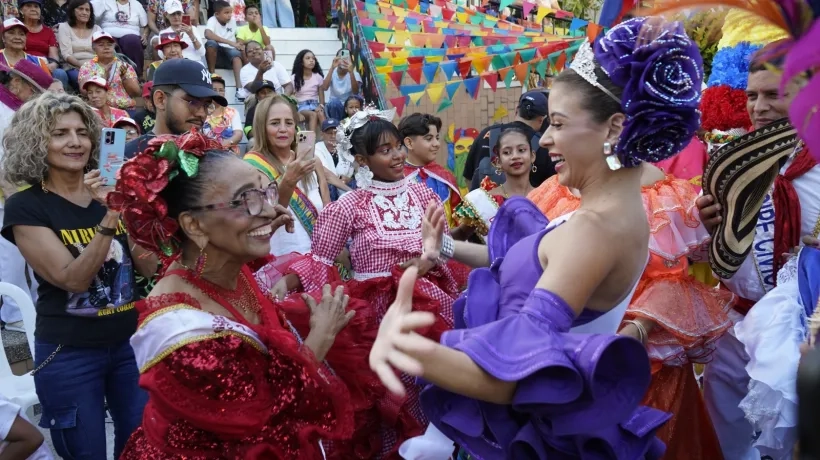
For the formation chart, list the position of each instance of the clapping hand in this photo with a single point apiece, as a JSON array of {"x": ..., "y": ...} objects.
[
  {"x": 432, "y": 231},
  {"x": 396, "y": 344},
  {"x": 330, "y": 315}
]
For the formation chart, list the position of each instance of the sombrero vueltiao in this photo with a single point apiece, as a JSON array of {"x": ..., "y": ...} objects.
[{"x": 738, "y": 176}]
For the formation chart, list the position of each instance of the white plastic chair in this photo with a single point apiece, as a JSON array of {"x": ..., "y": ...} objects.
[{"x": 19, "y": 389}]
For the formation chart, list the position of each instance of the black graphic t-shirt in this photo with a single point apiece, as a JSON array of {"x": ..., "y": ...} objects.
[{"x": 102, "y": 315}]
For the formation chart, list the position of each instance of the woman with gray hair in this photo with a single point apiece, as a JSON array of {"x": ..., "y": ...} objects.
[{"x": 86, "y": 266}]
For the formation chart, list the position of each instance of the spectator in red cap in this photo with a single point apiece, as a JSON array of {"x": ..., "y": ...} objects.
[
  {"x": 96, "y": 92},
  {"x": 15, "y": 37},
  {"x": 132, "y": 130},
  {"x": 41, "y": 40},
  {"x": 145, "y": 116},
  {"x": 171, "y": 46},
  {"x": 123, "y": 84}
]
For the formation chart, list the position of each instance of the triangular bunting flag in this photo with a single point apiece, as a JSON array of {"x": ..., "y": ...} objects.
[
  {"x": 448, "y": 67},
  {"x": 543, "y": 11},
  {"x": 415, "y": 74},
  {"x": 471, "y": 84},
  {"x": 508, "y": 75},
  {"x": 592, "y": 31},
  {"x": 384, "y": 37},
  {"x": 398, "y": 103},
  {"x": 416, "y": 97},
  {"x": 522, "y": 71},
  {"x": 576, "y": 24},
  {"x": 527, "y": 55},
  {"x": 464, "y": 67},
  {"x": 491, "y": 79},
  {"x": 430, "y": 72},
  {"x": 482, "y": 64},
  {"x": 396, "y": 77},
  {"x": 412, "y": 4},
  {"x": 445, "y": 104},
  {"x": 498, "y": 62},
  {"x": 561, "y": 61},
  {"x": 452, "y": 88},
  {"x": 503, "y": 4},
  {"x": 435, "y": 91},
  {"x": 527, "y": 7},
  {"x": 407, "y": 90},
  {"x": 541, "y": 68},
  {"x": 500, "y": 113}
]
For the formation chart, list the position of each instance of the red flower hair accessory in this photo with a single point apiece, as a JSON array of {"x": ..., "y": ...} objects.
[{"x": 141, "y": 180}]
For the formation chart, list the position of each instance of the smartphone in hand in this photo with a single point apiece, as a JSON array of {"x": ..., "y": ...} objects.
[
  {"x": 186, "y": 19},
  {"x": 269, "y": 55},
  {"x": 305, "y": 145},
  {"x": 112, "y": 153}
]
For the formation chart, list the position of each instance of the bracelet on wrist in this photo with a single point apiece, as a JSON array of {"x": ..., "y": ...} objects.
[{"x": 105, "y": 231}]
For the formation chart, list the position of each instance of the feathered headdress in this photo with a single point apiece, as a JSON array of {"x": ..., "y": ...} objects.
[{"x": 798, "y": 19}]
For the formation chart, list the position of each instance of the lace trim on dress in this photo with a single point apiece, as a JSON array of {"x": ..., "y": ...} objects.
[{"x": 388, "y": 188}]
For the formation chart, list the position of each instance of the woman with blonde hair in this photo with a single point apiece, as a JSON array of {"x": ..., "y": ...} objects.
[
  {"x": 85, "y": 263},
  {"x": 301, "y": 189}
]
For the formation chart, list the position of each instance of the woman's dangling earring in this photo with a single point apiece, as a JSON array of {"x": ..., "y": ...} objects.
[
  {"x": 611, "y": 159},
  {"x": 364, "y": 177},
  {"x": 199, "y": 267},
  {"x": 534, "y": 168}
]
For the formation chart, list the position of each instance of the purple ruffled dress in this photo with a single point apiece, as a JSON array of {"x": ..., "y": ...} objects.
[{"x": 578, "y": 394}]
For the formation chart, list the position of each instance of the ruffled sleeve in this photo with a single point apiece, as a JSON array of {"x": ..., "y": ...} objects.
[
  {"x": 332, "y": 230},
  {"x": 689, "y": 315},
  {"x": 577, "y": 394},
  {"x": 553, "y": 199}
]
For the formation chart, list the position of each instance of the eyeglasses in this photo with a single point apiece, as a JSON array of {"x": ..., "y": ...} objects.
[
  {"x": 196, "y": 104},
  {"x": 253, "y": 200}
]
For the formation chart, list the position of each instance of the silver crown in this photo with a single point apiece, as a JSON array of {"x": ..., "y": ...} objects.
[{"x": 584, "y": 65}]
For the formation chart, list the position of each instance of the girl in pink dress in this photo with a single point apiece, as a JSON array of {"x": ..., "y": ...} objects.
[{"x": 380, "y": 222}]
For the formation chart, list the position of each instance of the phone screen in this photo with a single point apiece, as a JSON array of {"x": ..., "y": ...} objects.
[
  {"x": 186, "y": 19},
  {"x": 306, "y": 142},
  {"x": 269, "y": 55},
  {"x": 112, "y": 153}
]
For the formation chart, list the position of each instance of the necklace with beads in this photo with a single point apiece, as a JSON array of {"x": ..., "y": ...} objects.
[{"x": 243, "y": 296}]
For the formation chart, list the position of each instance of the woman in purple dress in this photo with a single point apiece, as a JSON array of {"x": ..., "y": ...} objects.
[{"x": 534, "y": 369}]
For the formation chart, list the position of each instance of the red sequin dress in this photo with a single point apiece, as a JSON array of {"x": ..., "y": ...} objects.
[
  {"x": 224, "y": 388},
  {"x": 383, "y": 225}
]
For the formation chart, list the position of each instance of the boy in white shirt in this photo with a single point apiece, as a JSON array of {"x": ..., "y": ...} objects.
[
  {"x": 196, "y": 45},
  {"x": 222, "y": 49}
]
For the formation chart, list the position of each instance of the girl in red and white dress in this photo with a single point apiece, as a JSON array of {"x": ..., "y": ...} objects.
[{"x": 381, "y": 224}]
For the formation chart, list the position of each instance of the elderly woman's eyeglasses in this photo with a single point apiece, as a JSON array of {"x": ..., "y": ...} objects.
[
  {"x": 196, "y": 104},
  {"x": 253, "y": 200}
]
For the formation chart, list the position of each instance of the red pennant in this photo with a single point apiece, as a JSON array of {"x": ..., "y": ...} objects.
[
  {"x": 491, "y": 79},
  {"x": 447, "y": 14},
  {"x": 376, "y": 47},
  {"x": 559, "y": 63},
  {"x": 592, "y": 31},
  {"x": 415, "y": 73},
  {"x": 398, "y": 103},
  {"x": 464, "y": 67},
  {"x": 396, "y": 77},
  {"x": 415, "y": 60}
]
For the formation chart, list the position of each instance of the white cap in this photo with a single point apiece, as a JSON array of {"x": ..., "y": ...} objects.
[
  {"x": 13, "y": 22},
  {"x": 173, "y": 6},
  {"x": 100, "y": 35}
]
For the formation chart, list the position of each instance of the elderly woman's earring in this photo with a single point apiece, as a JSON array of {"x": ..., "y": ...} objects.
[
  {"x": 611, "y": 159},
  {"x": 199, "y": 267}
]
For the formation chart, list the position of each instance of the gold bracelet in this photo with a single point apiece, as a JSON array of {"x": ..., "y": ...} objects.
[{"x": 642, "y": 335}]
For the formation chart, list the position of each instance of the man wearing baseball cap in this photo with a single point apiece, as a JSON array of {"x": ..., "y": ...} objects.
[
  {"x": 326, "y": 151},
  {"x": 183, "y": 97},
  {"x": 530, "y": 116}
]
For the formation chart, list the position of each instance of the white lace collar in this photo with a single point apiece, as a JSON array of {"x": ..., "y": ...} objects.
[{"x": 388, "y": 188}]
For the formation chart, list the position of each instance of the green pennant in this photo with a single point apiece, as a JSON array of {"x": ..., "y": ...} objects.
[
  {"x": 498, "y": 62},
  {"x": 370, "y": 33},
  {"x": 509, "y": 58},
  {"x": 541, "y": 68},
  {"x": 401, "y": 67},
  {"x": 445, "y": 104},
  {"x": 527, "y": 55},
  {"x": 476, "y": 19},
  {"x": 381, "y": 62},
  {"x": 478, "y": 41},
  {"x": 371, "y": 8}
]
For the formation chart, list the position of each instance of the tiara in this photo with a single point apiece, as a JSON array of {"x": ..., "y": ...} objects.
[{"x": 584, "y": 65}]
